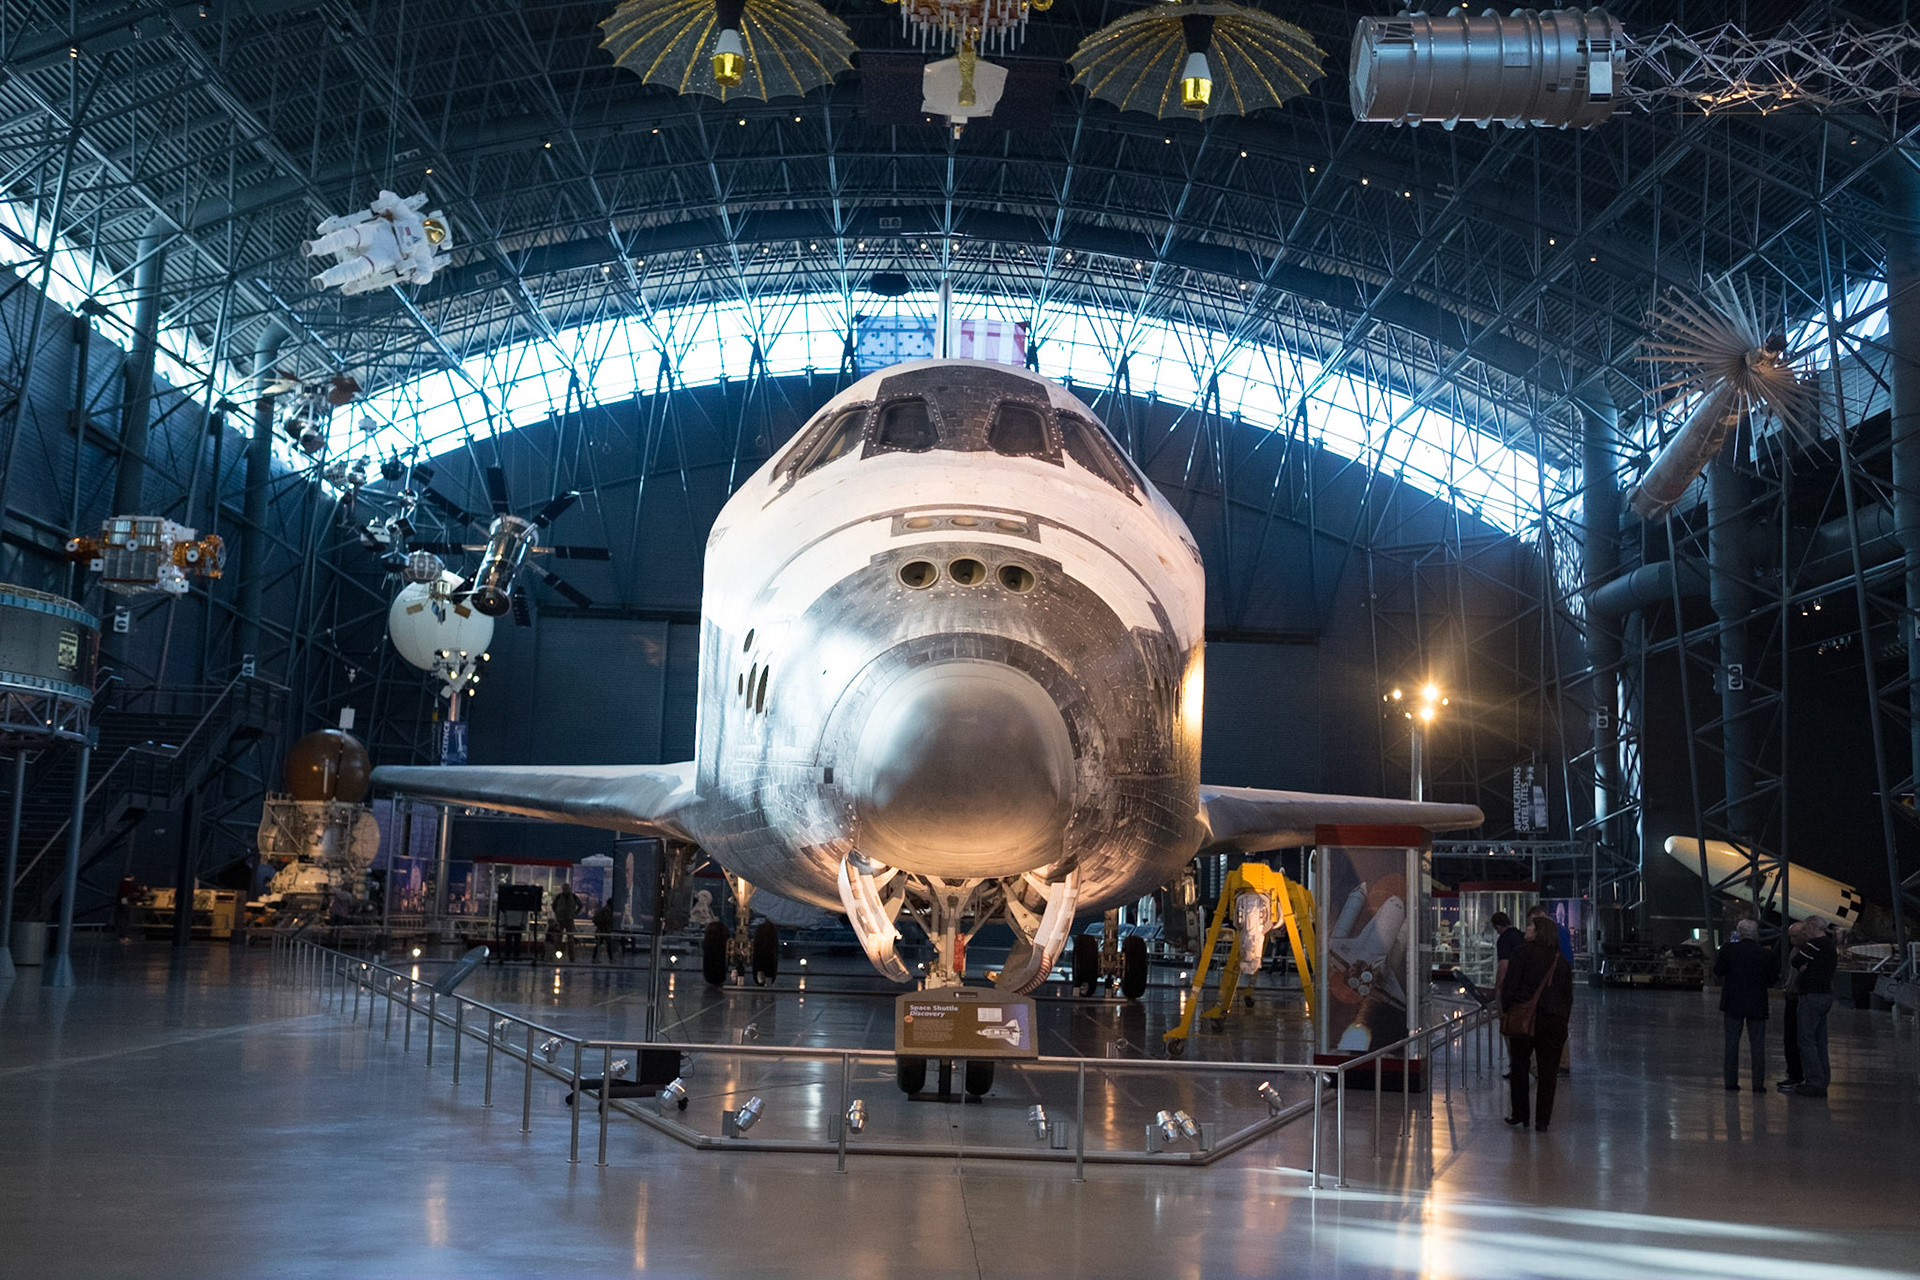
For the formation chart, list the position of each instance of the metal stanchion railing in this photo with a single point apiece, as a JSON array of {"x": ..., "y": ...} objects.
[
  {"x": 526, "y": 1088},
  {"x": 606, "y": 1088},
  {"x": 493, "y": 1033},
  {"x": 573, "y": 1145},
  {"x": 329, "y": 969}
]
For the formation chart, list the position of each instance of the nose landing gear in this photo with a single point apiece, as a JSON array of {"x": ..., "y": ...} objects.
[{"x": 751, "y": 951}]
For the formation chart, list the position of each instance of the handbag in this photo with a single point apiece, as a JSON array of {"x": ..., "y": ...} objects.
[{"x": 1517, "y": 1020}]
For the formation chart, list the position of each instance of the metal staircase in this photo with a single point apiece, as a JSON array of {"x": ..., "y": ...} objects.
[{"x": 153, "y": 749}]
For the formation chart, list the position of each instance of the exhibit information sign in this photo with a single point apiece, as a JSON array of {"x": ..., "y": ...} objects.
[
  {"x": 1372, "y": 885},
  {"x": 965, "y": 1022}
]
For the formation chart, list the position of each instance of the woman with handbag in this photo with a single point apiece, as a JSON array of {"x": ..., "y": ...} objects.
[{"x": 1536, "y": 1003}]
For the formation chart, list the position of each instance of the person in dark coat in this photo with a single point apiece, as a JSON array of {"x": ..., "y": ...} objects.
[
  {"x": 1815, "y": 960},
  {"x": 1790, "y": 1023},
  {"x": 1746, "y": 970},
  {"x": 1538, "y": 967}
]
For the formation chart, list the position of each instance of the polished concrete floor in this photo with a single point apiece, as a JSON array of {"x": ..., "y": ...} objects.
[{"x": 185, "y": 1117}]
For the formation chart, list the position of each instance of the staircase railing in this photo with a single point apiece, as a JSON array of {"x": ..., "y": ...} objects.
[{"x": 157, "y": 773}]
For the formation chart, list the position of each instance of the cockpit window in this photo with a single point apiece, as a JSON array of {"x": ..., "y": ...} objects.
[
  {"x": 842, "y": 438},
  {"x": 906, "y": 426},
  {"x": 1088, "y": 445},
  {"x": 1018, "y": 431}
]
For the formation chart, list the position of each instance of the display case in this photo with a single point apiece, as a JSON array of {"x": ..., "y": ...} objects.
[{"x": 1479, "y": 902}]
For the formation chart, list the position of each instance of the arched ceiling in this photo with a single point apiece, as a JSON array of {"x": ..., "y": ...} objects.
[{"x": 1492, "y": 270}]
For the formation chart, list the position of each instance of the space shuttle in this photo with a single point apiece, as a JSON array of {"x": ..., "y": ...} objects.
[{"x": 950, "y": 672}]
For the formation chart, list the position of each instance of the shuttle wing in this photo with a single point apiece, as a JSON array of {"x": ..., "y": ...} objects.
[
  {"x": 647, "y": 799},
  {"x": 1252, "y": 818}
]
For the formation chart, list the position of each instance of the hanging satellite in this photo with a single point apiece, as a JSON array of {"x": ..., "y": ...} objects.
[
  {"x": 1730, "y": 366},
  {"x": 511, "y": 541},
  {"x": 961, "y": 88},
  {"x": 436, "y": 631},
  {"x": 730, "y": 48},
  {"x": 390, "y": 242},
  {"x": 137, "y": 555},
  {"x": 1197, "y": 59}
]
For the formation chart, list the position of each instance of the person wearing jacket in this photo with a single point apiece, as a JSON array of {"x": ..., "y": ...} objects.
[
  {"x": 1746, "y": 970},
  {"x": 1790, "y": 1023},
  {"x": 1538, "y": 968},
  {"x": 1815, "y": 959}
]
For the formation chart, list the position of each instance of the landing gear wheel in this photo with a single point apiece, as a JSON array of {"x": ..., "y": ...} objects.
[
  {"x": 1133, "y": 973},
  {"x": 713, "y": 954},
  {"x": 1086, "y": 963},
  {"x": 1177, "y": 1048},
  {"x": 910, "y": 1074},
  {"x": 979, "y": 1076},
  {"x": 766, "y": 953}
]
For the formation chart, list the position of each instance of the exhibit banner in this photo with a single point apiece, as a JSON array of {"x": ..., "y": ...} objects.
[
  {"x": 965, "y": 1022},
  {"x": 1371, "y": 888}
]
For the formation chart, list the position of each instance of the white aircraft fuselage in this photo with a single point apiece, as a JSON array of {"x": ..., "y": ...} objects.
[
  {"x": 966, "y": 647},
  {"x": 951, "y": 668}
]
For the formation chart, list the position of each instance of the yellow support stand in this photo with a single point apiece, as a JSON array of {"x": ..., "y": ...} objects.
[{"x": 1288, "y": 903}]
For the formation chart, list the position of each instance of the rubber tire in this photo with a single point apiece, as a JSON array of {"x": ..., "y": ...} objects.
[
  {"x": 713, "y": 954},
  {"x": 1133, "y": 972},
  {"x": 910, "y": 1073},
  {"x": 1177, "y": 1048},
  {"x": 766, "y": 951},
  {"x": 979, "y": 1076},
  {"x": 1086, "y": 963}
]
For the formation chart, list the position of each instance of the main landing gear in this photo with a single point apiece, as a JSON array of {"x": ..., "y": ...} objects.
[
  {"x": 1111, "y": 960},
  {"x": 752, "y": 951}
]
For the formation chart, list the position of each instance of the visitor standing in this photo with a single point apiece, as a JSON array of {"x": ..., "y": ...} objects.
[
  {"x": 1790, "y": 1018},
  {"x": 1746, "y": 970},
  {"x": 1815, "y": 958},
  {"x": 1536, "y": 1004}
]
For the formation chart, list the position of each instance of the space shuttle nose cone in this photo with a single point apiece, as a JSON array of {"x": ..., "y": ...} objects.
[{"x": 963, "y": 769}]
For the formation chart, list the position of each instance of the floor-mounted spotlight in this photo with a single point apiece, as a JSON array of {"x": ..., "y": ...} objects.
[
  {"x": 734, "y": 1124},
  {"x": 856, "y": 1116},
  {"x": 1037, "y": 1117},
  {"x": 1270, "y": 1096},
  {"x": 620, "y": 1068},
  {"x": 673, "y": 1095},
  {"x": 550, "y": 1048}
]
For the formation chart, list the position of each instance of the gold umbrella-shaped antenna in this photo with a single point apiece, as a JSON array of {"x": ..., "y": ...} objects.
[
  {"x": 1211, "y": 59},
  {"x": 730, "y": 48}
]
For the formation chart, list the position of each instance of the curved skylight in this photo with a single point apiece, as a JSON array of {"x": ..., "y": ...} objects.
[{"x": 617, "y": 359}]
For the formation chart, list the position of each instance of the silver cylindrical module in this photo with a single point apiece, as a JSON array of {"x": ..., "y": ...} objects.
[{"x": 1558, "y": 69}]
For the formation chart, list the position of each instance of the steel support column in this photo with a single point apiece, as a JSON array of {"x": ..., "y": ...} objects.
[
  {"x": 1600, "y": 549},
  {"x": 1730, "y": 573},
  {"x": 253, "y": 547},
  {"x": 59, "y": 971},
  {"x": 13, "y": 861},
  {"x": 136, "y": 402}
]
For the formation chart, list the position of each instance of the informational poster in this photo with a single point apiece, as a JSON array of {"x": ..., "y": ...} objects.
[
  {"x": 1371, "y": 900},
  {"x": 1529, "y": 802},
  {"x": 453, "y": 742},
  {"x": 965, "y": 1022}
]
